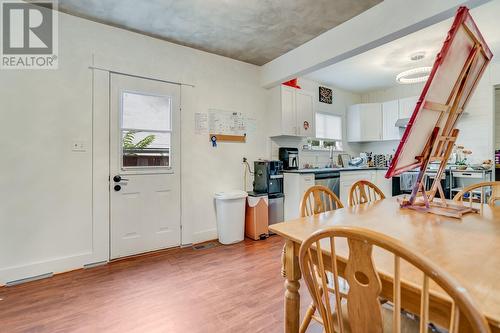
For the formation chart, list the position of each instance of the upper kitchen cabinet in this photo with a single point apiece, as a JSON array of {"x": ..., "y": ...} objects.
[
  {"x": 304, "y": 107},
  {"x": 364, "y": 122},
  {"x": 390, "y": 114},
  {"x": 291, "y": 111},
  {"x": 406, "y": 106}
]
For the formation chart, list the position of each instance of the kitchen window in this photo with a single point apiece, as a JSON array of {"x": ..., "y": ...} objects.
[
  {"x": 328, "y": 131},
  {"x": 146, "y": 130},
  {"x": 328, "y": 126}
]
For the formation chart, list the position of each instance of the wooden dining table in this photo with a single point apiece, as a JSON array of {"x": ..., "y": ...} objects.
[{"x": 467, "y": 248}]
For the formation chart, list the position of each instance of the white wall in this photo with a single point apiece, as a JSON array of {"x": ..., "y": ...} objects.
[
  {"x": 399, "y": 91},
  {"x": 476, "y": 127},
  {"x": 48, "y": 220},
  {"x": 341, "y": 100}
]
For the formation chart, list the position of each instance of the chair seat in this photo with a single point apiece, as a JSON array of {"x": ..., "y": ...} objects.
[{"x": 408, "y": 325}]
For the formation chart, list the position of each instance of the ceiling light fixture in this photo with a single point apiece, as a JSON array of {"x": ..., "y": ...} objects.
[{"x": 414, "y": 75}]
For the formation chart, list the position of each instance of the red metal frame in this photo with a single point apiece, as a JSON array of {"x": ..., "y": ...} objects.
[{"x": 462, "y": 18}]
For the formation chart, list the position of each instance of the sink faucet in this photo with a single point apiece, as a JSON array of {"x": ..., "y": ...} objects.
[{"x": 331, "y": 157}]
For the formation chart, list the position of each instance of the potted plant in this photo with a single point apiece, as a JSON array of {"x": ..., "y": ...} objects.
[{"x": 461, "y": 161}]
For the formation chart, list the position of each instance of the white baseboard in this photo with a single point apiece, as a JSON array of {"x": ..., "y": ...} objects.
[
  {"x": 55, "y": 266},
  {"x": 205, "y": 235},
  {"x": 76, "y": 261}
]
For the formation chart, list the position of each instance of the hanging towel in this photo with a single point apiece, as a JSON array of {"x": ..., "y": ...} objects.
[{"x": 407, "y": 180}]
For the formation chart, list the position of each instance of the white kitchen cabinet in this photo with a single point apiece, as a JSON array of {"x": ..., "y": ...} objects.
[
  {"x": 304, "y": 105},
  {"x": 370, "y": 122},
  {"x": 353, "y": 124},
  {"x": 384, "y": 184},
  {"x": 288, "y": 119},
  {"x": 347, "y": 178},
  {"x": 364, "y": 122},
  {"x": 294, "y": 187},
  {"x": 390, "y": 114},
  {"x": 289, "y": 109},
  {"x": 406, "y": 106}
]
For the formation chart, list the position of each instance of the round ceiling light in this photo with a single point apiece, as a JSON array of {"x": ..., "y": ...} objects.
[{"x": 414, "y": 75}]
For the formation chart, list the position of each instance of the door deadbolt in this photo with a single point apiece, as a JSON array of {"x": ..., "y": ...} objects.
[{"x": 117, "y": 188}]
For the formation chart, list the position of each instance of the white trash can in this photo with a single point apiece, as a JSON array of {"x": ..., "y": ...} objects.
[{"x": 230, "y": 209}]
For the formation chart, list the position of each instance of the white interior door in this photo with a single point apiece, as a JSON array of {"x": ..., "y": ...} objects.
[{"x": 144, "y": 158}]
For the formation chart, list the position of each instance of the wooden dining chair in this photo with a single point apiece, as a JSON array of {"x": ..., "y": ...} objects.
[
  {"x": 469, "y": 190},
  {"x": 318, "y": 199},
  {"x": 364, "y": 191},
  {"x": 363, "y": 312}
]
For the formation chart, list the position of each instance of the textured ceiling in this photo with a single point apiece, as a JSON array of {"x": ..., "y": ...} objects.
[
  {"x": 254, "y": 31},
  {"x": 377, "y": 68}
]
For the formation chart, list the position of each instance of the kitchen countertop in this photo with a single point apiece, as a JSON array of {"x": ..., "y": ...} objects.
[
  {"x": 320, "y": 170},
  {"x": 364, "y": 168}
]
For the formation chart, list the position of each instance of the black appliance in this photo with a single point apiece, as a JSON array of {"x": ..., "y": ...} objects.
[
  {"x": 268, "y": 177},
  {"x": 290, "y": 158}
]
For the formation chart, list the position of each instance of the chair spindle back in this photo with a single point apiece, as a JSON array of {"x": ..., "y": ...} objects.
[
  {"x": 364, "y": 191},
  {"x": 318, "y": 199},
  {"x": 491, "y": 188},
  {"x": 363, "y": 306}
]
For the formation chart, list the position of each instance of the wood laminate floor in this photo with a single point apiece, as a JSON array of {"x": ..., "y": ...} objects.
[{"x": 236, "y": 288}]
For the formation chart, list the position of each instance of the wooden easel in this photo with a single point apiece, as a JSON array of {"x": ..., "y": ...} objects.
[{"x": 439, "y": 148}]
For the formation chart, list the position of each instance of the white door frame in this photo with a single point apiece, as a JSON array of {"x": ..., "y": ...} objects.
[
  {"x": 101, "y": 159},
  {"x": 151, "y": 225}
]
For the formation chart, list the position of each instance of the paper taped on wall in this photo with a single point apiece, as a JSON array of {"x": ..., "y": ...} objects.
[
  {"x": 200, "y": 123},
  {"x": 227, "y": 123}
]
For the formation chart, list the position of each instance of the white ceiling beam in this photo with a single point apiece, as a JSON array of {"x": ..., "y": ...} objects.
[{"x": 383, "y": 23}]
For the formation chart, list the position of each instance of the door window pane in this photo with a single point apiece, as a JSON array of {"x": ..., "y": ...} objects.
[
  {"x": 146, "y": 149},
  {"x": 146, "y": 130},
  {"x": 146, "y": 111}
]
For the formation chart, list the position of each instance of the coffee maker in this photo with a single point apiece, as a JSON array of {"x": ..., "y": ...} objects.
[{"x": 290, "y": 158}]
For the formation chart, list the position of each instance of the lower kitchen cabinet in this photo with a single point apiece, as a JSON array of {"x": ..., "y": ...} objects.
[
  {"x": 294, "y": 187},
  {"x": 296, "y": 184},
  {"x": 347, "y": 178},
  {"x": 384, "y": 184},
  {"x": 377, "y": 177}
]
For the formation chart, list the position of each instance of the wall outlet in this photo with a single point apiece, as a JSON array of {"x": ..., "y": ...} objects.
[{"x": 78, "y": 145}]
